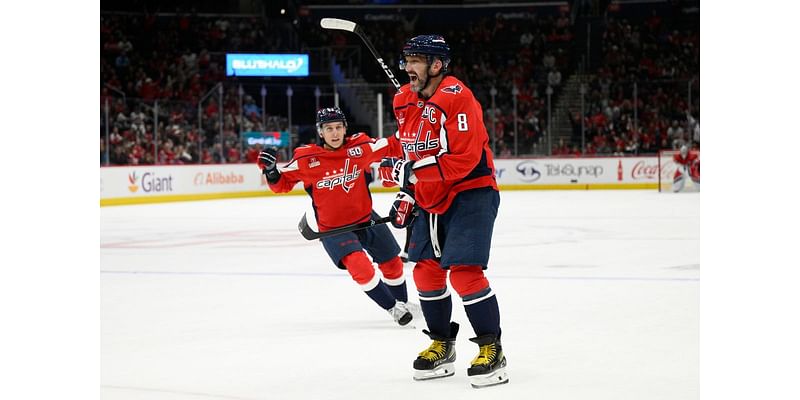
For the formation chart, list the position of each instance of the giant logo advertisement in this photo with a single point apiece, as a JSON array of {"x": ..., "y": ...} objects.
[{"x": 149, "y": 182}]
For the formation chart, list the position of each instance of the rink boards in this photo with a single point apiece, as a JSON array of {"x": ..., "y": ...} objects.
[{"x": 155, "y": 184}]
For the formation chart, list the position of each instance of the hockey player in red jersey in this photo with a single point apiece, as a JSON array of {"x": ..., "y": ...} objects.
[
  {"x": 444, "y": 166},
  {"x": 687, "y": 164},
  {"x": 335, "y": 175}
]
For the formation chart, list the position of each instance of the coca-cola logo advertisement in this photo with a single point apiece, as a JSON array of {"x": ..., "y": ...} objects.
[{"x": 648, "y": 169}]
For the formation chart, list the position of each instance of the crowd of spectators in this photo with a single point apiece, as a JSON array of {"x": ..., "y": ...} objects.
[
  {"x": 164, "y": 64},
  {"x": 638, "y": 99}
]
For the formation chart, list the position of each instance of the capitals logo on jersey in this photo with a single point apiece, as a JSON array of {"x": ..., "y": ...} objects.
[
  {"x": 342, "y": 177},
  {"x": 452, "y": 89}
]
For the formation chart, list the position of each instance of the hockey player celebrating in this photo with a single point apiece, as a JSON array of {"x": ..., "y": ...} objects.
[
  {"x": 335, "y": 175},
  {"x": 445, "y": 167},
  {"x": 687, "y": 165}
]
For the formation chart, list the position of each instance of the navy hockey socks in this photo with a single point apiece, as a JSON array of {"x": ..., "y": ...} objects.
[
  {"x": 399, "y": 292},
  {"x": 381, "y": 295},
  {"x": 437, "y": 312},
  {"x": 484, "y": 316}
]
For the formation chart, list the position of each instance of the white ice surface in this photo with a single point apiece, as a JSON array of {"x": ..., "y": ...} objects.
[{"x": 598, "y": 293}]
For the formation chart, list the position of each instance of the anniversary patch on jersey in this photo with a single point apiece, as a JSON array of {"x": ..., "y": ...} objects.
[
  {"x": 452, "y": 89},
  {"x": 355, "y": 152}
]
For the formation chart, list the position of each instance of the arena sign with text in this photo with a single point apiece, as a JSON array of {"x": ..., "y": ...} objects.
[
  {"x": 266, "y": 64},
  {"x": 274, "y": 138},
  {"x": 155, "y": 184}
]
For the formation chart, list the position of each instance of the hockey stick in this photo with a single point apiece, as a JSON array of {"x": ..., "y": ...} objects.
[
  {"x": 350, "y": 26},
  {"x": 310, "y": 234}
]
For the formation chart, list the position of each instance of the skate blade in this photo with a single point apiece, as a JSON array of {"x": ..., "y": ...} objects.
[
  {"x": 442, "y": 371},
  {"x": 497, "y": 377}
]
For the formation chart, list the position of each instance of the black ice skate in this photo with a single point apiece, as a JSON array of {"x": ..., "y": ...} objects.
[
  {"x": 437, "y": 360},
  {"x": 489, "y": 366}
]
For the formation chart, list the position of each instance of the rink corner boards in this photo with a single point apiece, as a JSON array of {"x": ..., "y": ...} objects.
[{"x": 121, "y": 201}]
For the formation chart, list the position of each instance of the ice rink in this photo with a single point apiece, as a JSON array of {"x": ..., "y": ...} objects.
[{"x": 598, "y": 292}]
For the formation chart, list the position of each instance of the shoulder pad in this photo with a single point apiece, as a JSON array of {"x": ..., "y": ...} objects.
[
  {"x": 306, "y": 150},
  {"x": 357, "y": 139}
]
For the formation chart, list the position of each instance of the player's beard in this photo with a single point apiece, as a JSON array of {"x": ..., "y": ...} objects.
[{"x": 419, "y": 84}]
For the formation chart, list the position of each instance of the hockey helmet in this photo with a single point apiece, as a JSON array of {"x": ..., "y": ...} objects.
[
  {"x": 330, "y": 114},
  {"x": 427, "y": 45}
]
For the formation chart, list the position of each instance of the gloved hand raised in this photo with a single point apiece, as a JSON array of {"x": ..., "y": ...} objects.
[
  {"x": 267, "y": 164},
  {"x": 403, "y": 209}
]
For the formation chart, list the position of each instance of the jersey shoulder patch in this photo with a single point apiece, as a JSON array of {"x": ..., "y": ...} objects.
[{"x": 452, "y": 89}]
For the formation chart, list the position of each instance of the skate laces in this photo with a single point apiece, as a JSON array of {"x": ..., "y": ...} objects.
[
  {"x": 486, "y": 354},
  {"x": 435, "y": 351}
]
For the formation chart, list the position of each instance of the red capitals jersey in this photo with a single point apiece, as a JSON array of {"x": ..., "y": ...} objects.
[
  {"x": 337, "y": 180},
  {"x": 447, "y": 139}
]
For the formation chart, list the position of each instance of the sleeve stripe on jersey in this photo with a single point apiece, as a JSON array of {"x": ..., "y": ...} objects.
[
  {"x": 427, "y": 162},
  {"x": 444, "y": 142},
  {"x": 379, "y": 144},
  {"x": 404, "y": 106},
  {"x": 291, "y": 166}
]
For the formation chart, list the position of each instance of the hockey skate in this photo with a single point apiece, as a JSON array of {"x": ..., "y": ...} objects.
[
  {"x": 489, "y": 366},
  {"x": 400, "y": 313},
  {"x": 437, "y": 360}
]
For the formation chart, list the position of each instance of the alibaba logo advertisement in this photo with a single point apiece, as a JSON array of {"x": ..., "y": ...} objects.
[
  {"x": 150, "y": 183},
  {"x": 217, "y": 178}
]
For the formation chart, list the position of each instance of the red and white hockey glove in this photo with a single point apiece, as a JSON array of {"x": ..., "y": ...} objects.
[
  {"x": 403, "y": 209},
  {"x": 397, "y": 171}
]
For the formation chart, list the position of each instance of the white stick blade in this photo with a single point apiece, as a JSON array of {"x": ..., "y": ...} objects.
[{"x": 336, "y": 23}]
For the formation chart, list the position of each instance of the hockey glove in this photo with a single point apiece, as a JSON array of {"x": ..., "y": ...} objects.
[
  {"x": 398, "y": 171},
  {"x": 403, "y": 209},
  {"x": 267, "y": 164}
]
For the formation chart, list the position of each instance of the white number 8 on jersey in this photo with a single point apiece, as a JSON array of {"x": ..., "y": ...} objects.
[{"x": 462, "y": 122}]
